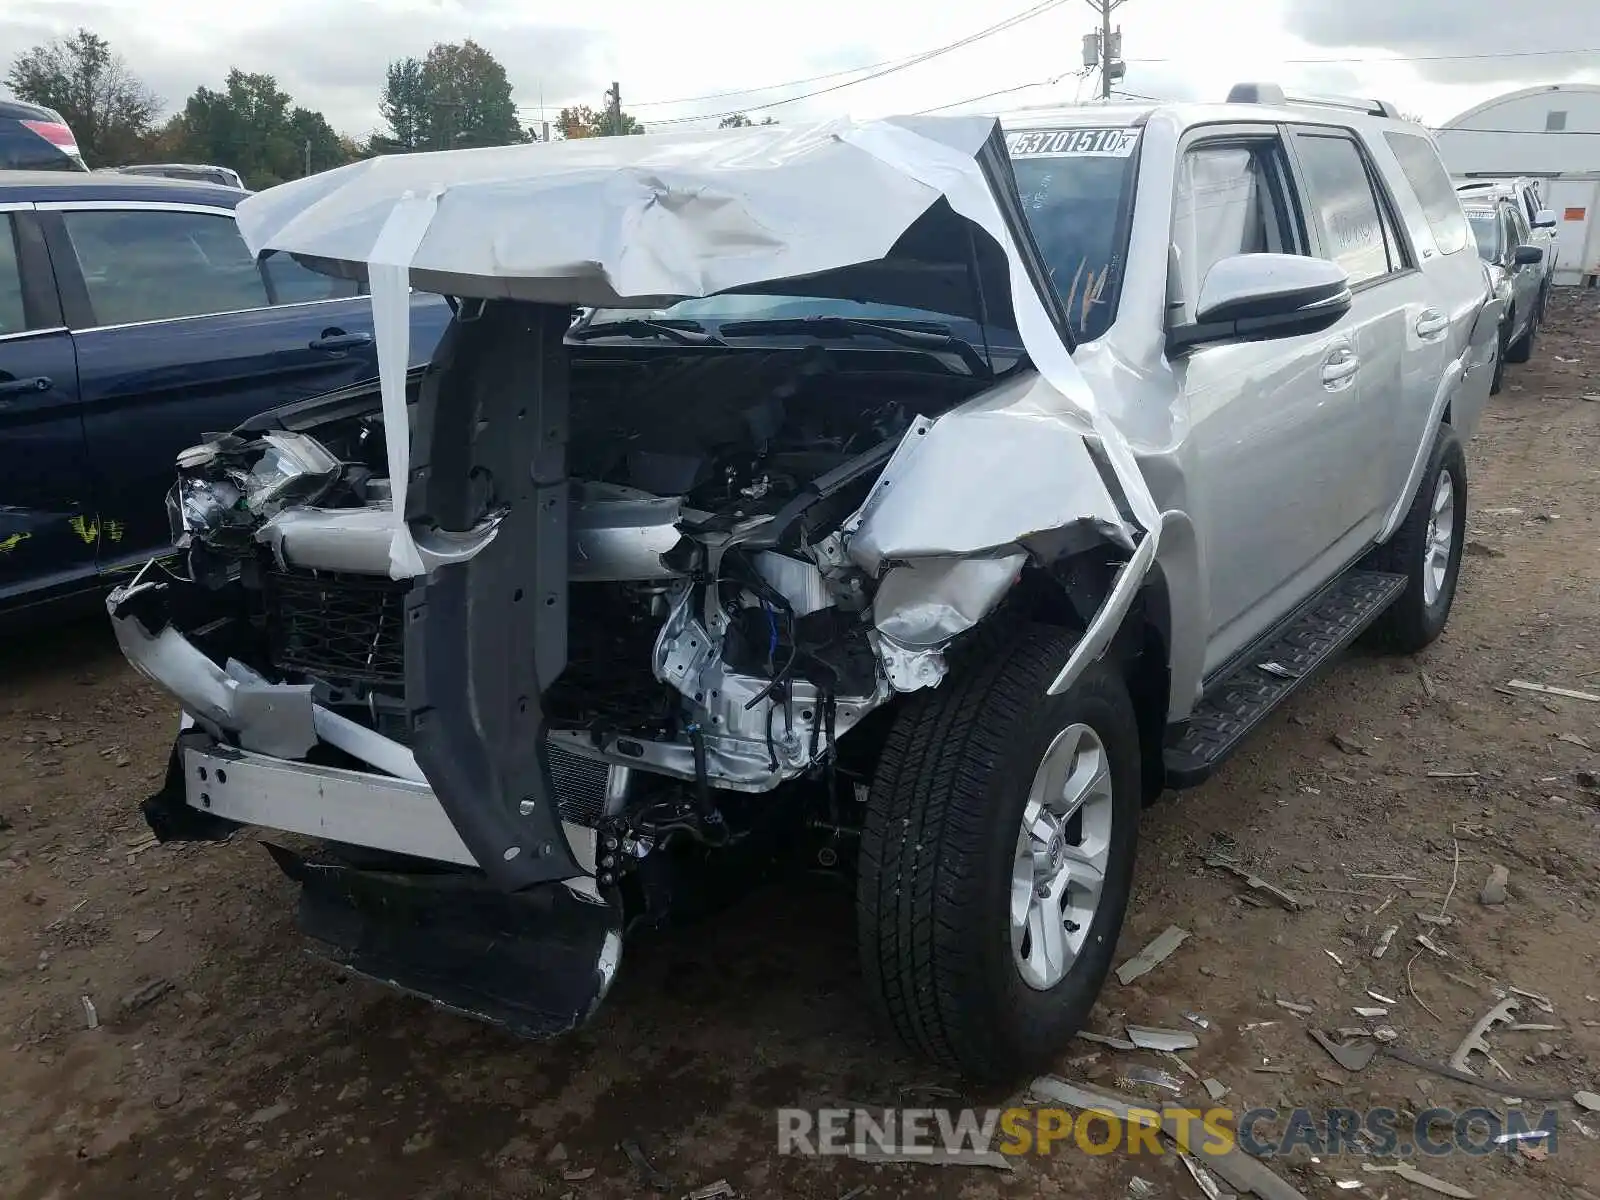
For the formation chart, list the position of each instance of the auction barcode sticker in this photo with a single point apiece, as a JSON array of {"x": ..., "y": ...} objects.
[{"x": 1061, "y": 143}]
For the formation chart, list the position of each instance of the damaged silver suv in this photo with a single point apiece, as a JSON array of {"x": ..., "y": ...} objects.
[{"x": 917, "y": 498}]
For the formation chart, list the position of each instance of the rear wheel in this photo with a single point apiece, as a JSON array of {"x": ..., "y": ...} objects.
[
  {"x": 997, "y": 858},
  {"x": 1426, "y": 549}
]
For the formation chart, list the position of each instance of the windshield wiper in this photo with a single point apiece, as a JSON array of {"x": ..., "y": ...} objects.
[
  {"x": 684, "y": 332},
  {"x": 920, "y": 335}
]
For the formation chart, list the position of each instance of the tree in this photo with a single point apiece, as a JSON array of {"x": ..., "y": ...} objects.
[
  {"x": 320, "y": 147},
  {"x": 404, "y": 107},
  {"x": 83, "y": 79},
  {"x": 581, "y": 121},
  {"x": 740, "y": 121},
  {"x": 245, "y": 126},
  {"x": 458, "y": 95}
]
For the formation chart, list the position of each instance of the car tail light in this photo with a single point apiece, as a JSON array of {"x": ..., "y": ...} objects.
[{"x": 57, "y": 133}]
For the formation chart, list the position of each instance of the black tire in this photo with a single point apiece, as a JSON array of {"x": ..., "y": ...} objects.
[
  {"x": 1521, "y": 350},
  {"x": 1413, "y": 622},
  {"x": 937, "y": 849}
]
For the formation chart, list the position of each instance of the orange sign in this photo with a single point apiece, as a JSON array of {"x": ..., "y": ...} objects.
[{"x": 1574, "y": 214}]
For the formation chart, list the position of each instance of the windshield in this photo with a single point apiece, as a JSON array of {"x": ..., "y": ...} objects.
[
  {"x": 1073, "y": 184},
  {"x": 1486, "y": 228},
  {"x": 1074, "y": 187}
]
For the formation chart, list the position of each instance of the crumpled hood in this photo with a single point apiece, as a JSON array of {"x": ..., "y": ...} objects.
[{"x": 643, "y": 221}]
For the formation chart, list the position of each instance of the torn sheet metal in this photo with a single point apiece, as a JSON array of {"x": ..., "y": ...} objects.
[
  {"x": 276, "y": 719},
  {"x": 651, "y": 220}
]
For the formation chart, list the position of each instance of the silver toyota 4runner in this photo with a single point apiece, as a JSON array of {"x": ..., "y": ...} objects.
[{"x": 916, "y": 498}]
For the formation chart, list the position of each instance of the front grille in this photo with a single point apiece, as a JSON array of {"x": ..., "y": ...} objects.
[{"x": 346, "y": 629}]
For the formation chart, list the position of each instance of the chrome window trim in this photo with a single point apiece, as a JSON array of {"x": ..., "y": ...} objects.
[{"x": 28, "y": 333}]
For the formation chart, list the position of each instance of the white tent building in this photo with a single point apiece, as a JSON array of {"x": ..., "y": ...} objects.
[{"x": 1551, "y": 132}]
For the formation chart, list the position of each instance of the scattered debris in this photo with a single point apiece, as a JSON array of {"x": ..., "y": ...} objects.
[
  {"x": 1142, "y": 963},
  {"x": 1273, "y": 1069},
  {"x": 1527, "y": 1028},
  {"x": 712, "y": 1191},
  {"x": 1351, "y": 1058},
  {"x": 90, "y": 1018},
  {"x": 1141, "y": 1189},
  {"x": 1384, "y": 939},
  {"x": 1378, "y": 912},
  {"x": 1385, "y": 876},
  {"x": 654, "y": 1179},
  {"x": 145, "y": 995},
  {"x": 1435, "y": 920},
  {"x": 146, "y": 935},
  {"x": 1542, "y": 1003},
  {"x": 1304, "y": 1010},
  {"x": 1242, "y": 1173},
  {"x": 1196, "y": 1019},
  {"x": 1149, "y": 1038},
  {"x": 1574, "y": 740},
  {"x": 1518, "y": 1135},
  {"x": 265, "y": 1116},
  {"x": 582, "y": 1173},
  {"x": 1348, "y": 744},
  {"x": 1452, "y": 775},
  {"x": 1533, "y": 1151},
  {"x": 1429, "y": 689},
  {"x": 1380, "y": 997},
  {"x": 1422, "y": 1179},
  {"x": 1494, "y": 887},
  {"x": 1500, "y": 1014},
  {"x": 1155, "y": 1077},
  {"x": 1386, "y": 1034},
  {"x": 1430, "y": 945},
  {"x": 1257, "y": 884},
  {"x": 1522, "y": 685},
  {"x": 1216, "y": 1089},
  {"x": 1587, "y": 1100},
  {"x": 1411, "y": 1058},
  {"x": 1335, "y": 958},
  {"x": 1115, "y": 1043},
  {"x": 1201, "y": 1177},
  {"x": 1278, "y": 670},
  {"x": 1259, "y": 1025},
  {"x": 1366, "y": 1010}
]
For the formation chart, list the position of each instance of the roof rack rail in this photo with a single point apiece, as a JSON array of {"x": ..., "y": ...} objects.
[{"x": 1271, "y": 93}]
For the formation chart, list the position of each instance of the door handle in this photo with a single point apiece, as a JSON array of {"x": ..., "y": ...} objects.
[
  {"x": 19, "y": 387},
  {"x": 1432, "y": 323},
  {"x": 333, "y": 339},
  {"x": 1339, "y": 368}
]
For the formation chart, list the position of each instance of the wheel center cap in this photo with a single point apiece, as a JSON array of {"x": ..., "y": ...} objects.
[{"x": 1056, "y": 850}]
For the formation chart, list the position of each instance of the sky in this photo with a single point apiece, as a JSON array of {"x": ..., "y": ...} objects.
[{"x": 1433, "y": 58}]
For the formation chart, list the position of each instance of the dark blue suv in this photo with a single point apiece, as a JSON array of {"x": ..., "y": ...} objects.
[{"x": 132, "y": 320}]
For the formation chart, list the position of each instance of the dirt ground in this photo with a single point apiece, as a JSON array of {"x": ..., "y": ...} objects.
[{"x": 227, "y": 1063}]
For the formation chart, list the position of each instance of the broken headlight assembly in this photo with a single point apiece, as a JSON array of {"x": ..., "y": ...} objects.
[{"x": 217, "y": 491}]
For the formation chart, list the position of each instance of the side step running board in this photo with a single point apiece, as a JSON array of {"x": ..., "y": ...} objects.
[{"x": 1275, "y": 670}]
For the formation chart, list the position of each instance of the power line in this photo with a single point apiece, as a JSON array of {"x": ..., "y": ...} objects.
[
  {"x": 901, "y": 65},
  {"x": 1021, "y": 87},
  {"x": 1368, "y": 60}
]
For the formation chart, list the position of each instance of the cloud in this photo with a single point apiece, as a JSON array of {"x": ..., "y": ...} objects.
[
  {"x": 327, "y": 57},
  {"x": 1417, "y": 29}
]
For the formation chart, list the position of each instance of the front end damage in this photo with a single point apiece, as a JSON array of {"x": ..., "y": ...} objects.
[{"x": 654, "y": 592}]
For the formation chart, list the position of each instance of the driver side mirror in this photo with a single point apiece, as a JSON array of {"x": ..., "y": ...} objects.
[
  {"x": 1527, "y": 256},
  {"x": 1251, "y": 297},
  {"x": 1545, "y": 218}
]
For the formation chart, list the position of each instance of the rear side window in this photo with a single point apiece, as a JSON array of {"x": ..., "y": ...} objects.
[
  {"x": 153, "y": 265},
  {"x": 1359, "y": 236},
  {"x": 13, "y": 319},
  {"x": 1420, "y": 163}
]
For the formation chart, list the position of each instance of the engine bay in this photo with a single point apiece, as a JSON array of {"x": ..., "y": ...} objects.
[{"x": 717, "y": 635}]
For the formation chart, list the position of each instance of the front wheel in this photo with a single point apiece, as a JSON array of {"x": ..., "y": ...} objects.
[
  {"x": 997, "y": 858},
  {"x": 1426, "y": 549}
]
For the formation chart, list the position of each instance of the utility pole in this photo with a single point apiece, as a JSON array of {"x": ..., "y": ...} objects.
[
  {"x": 308, "y": 156},
  {"x": 614, "y": 104},
  {"x": 1103, "y": 48}
]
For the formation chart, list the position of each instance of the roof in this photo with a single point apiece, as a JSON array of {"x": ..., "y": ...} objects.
[
  {"x": 44, "y": 187},
  {"x": 1477, "y": 110},
  {"x": 1186, "y": 113}
]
